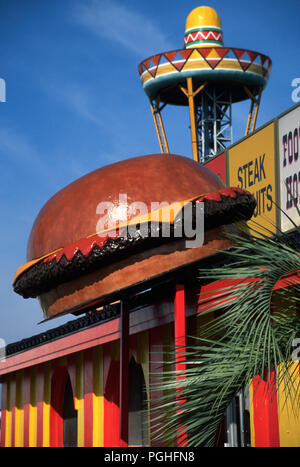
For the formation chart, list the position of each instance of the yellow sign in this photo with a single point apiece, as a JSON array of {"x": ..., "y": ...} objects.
[{"x": 251, "y": 165}]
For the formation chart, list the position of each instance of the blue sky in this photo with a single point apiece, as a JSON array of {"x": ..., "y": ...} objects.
[{"x": 75, "y": 103}]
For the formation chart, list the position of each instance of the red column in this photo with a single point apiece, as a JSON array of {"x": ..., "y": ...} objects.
[
  {"x": 124, "y": 373},
  {"x": 156, "y": 368},
  {"x": 58, "y": 385},
  {"x": 265, "y": 412},
  {"x": 180, "y": 348},
  {"x": 40, "y": 404},
  {"x": 26, "y": 405},
  {"x": 111, "y": 399},
  {"x": 88, "y": 398},
  {"x": 179, "y": 323}
]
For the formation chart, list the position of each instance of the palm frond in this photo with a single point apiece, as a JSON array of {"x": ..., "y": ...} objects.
[{"x": 249, "y": 334}]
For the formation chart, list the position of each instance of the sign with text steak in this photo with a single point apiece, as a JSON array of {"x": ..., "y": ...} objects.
[{"x": 252, "y": 167}]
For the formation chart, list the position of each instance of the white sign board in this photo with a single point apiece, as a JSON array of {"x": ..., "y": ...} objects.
[{"x": 289, "y": 168}]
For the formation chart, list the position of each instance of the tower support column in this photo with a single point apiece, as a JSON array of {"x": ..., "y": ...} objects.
[
  {"x": 214, "y": 122},
  {"x": 252, "y": 117},
  {"x": 159, "y": 126},
  {"x": 190, "y": 96}
]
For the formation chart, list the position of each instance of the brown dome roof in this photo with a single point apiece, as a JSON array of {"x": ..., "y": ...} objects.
[{"x": 71, "y": 213}]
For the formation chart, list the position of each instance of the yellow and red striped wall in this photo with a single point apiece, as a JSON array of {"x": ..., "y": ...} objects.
[
  {"x": 32, "y": 398},
  {"x": 275, "y": 418},
  {"x": 33, "y": 382}
]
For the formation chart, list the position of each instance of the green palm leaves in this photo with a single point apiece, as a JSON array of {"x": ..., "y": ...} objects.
[{"x": 251, "y": 328}]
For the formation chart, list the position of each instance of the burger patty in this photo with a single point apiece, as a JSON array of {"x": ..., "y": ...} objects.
[{"x": 48, "y": 274}]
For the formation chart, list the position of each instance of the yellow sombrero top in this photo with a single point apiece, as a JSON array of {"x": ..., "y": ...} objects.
[{"x": 203, "y": 28}]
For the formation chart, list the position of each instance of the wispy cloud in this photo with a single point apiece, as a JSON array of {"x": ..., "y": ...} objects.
[
  {"x": 116, "y": 22},
  {"x": 78, "y": 99},
  {"x": 17, "y": 147},
  {"x": 17, "y": 150}
]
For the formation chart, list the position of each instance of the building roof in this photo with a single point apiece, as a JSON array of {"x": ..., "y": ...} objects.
[{"x": 91, "y": 318}]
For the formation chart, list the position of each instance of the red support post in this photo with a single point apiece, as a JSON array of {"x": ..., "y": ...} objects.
[
  {"x": 111, "y": 400},
  {"x": 156, "y": 393},
  {"x": 88, "y": 398},
  {"x": 26, "y": 406},
  {"x": 265, "y": 411},
  {"x": 58, "y": 385},
  {"x": 40, "y": 405},
  {"x": 124, "y": 373},
  {"x": 180, "y": 348},
  {"x": 179, "y": 322}
]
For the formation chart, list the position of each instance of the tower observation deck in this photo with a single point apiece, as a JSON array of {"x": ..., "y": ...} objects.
[{"x": 208, "y": 78}]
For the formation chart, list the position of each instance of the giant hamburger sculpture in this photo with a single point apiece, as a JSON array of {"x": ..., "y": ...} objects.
[{"x": 88, "y": 243}]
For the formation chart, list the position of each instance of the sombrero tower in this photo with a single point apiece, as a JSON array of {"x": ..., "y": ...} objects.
[{"x": 208, "y": 78}]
